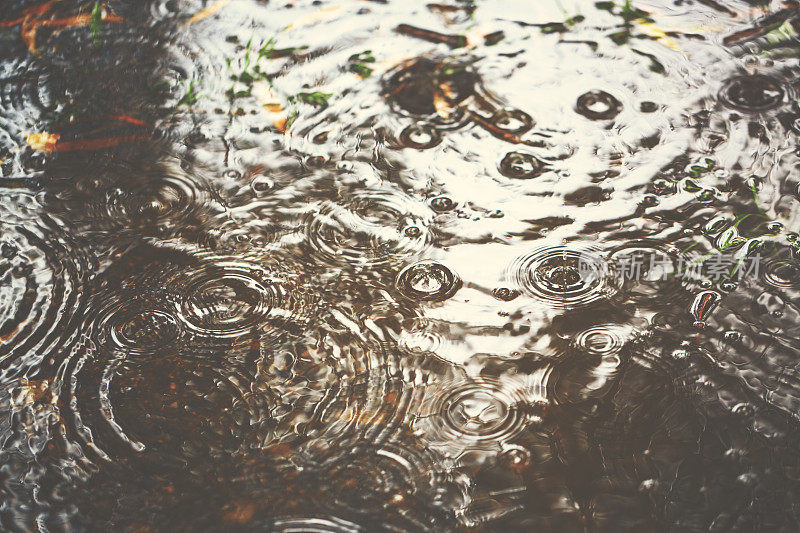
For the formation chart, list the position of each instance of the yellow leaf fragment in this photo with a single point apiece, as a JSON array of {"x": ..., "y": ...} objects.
[
  {"x": 42, "y": 141},
  {"x": 313, "y": 17},
  {"x": 213, "y": 9},
  {"x": 271, "y": 103}
]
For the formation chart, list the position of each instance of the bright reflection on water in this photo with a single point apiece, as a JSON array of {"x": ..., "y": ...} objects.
[{"x": 399, "y": 266}]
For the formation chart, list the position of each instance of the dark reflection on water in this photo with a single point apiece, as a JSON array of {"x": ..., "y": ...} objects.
[{"x": 362, "y": 266}]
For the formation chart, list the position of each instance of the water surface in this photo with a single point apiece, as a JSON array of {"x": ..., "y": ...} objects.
[{"x": 399, "y": 266}]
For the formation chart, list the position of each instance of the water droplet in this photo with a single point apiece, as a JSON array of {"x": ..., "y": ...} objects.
[
  {"x": 228, "y": 300},
  {"x": 505, "y": 294},
  {"x": 775, "y": 227},
  {"x": 413, "y": 232},
  {"x": 428, "y": 281},
  {"x": 515, "y": 457},
  {"x": 513, "y": 121},
  {"x": 420, "y": 136},
  {"x": 745, "y": 410},
  {"x": 703, "y": 305},
  {"x": 442, "y": 204},
  {"x": 519, "y": 165},
  {"x": 732, "y": 336},
  {"x": 564, "y": 277},
  {"x": 648, "y": 107},
  {"x": 598, "y": 105},
  {"x": 262, "y": 184}
]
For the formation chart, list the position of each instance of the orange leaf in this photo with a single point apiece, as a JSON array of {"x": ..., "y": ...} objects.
[
  {"x": 130, "y": 120},
  {"x": 98, "y": 144},
  {"x": 30, "y": 22},
  {"x": 48, "y": 142},
  {"x": 11, "y": 23},
  {"x": 28, "y": 32}
]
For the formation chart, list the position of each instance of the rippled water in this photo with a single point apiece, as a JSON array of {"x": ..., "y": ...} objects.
[{"x": 396, "y": 266}]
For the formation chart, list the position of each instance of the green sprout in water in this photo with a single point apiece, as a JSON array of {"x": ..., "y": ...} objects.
[
  {"x": 626, "y": 11},
  {"x": 624, "y": 34},
  {"x": 96, "y": 21},
  {"x": 190, "y": 97},
  {"x": 561, "y": 27},
  {"x": 315, "y": 98},
  {"x": 357, "y": 63},
  {"x": 753, "y": 230},
  {"x": 250, "y": 70}
]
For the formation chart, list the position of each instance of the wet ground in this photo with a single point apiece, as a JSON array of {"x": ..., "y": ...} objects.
[{"x": 397, "y": 266}]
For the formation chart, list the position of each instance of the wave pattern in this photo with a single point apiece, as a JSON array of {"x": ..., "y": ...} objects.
[{"x": 396, "y": 266}]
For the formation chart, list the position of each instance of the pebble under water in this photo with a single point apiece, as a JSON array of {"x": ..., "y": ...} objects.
[{"x": 383, "y": 265}]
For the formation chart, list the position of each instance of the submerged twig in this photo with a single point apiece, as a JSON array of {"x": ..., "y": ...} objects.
[{"x": 453, "y": 41}]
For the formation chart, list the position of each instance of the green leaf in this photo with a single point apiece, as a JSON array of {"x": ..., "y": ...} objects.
[
  {"x": 190, "y": 97},
  {"x": 315, "y": 98},
  {"x": 96, "y": 21}
]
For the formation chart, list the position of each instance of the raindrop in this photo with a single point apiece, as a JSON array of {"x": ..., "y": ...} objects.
[
  {"x": 368, "y": 229},
  {"x": 520, "y": 166},
  {"x": 505, "y": 294},
  {"x": 262, "y": 184},
  {"x": 412, "y": 232},
  {"x": 752, "y": 93},
  {"x": 732, "y": 336},
  {"x": 481, "y": 410},
  {"x": 648, "y": 107},
  {"x": 515, "y": 457},
  {"x": 745, "y": 410},
  {"x": 420, "y": 136},
  {"x": 782, "y": 270},
  {"x": 564, "y": 277},
  {"x": 442, "y": 204},
  {"x": 228, "y": 300},
  {"x": 605, "y": 339},
  {"x": 160, "y": 201},
  {"x": 598, "y": 105},
  {"x": 510, "y": 120},
  {"x": 143, "y": 330},
  {"x": 428, "y": 281}
]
